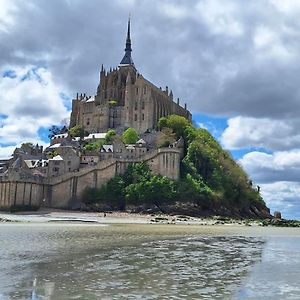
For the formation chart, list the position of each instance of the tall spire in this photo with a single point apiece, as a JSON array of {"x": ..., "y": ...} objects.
[{"x": 127, "y": 60}]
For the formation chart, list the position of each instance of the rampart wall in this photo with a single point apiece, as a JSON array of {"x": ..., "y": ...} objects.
[{"x": 65, "y": 191}]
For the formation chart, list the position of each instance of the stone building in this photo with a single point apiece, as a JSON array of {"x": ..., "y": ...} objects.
[
  {"x": 57, "y": 176},
  {"x": 124, "y": 99}
]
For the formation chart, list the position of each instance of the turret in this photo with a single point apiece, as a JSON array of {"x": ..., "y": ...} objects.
[
  {"x": 102, "y": 72},
  {"x": 167, "y": 91}
]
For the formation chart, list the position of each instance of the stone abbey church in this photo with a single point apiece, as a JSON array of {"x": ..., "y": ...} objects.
[
  {"x": 124, "y": 99},
  {"x": 58, "y": 175}
]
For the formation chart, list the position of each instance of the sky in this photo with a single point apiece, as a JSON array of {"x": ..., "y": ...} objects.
[{"x": 235, "y": 63}]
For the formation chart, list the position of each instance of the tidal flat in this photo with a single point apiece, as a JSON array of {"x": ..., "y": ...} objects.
[{"x": 148, "y": 261}]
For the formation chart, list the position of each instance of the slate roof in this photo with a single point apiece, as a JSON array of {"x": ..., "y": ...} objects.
[{"x": 107, "y": 148}]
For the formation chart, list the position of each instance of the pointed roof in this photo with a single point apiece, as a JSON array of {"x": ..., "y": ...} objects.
[
  {"x": 141, "y": 141},
  {"x": 127, "y": 60}
]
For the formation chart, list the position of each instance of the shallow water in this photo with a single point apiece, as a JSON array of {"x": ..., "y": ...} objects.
[{"x": 64, "y": 261}]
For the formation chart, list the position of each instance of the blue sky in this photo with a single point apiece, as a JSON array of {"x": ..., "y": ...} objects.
[{"x": 235, "y": 63}]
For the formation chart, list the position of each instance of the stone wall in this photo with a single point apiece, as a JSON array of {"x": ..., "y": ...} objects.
[
  {"x": 65, "y": 191},
  {"x": 20, "y": 194}
]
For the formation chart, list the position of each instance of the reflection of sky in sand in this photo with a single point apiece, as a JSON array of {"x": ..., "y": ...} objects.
[
  {"x": 48, "y": 290},
  {"x": 146, "y": 261},
  {"x": 278, "y": 273}
]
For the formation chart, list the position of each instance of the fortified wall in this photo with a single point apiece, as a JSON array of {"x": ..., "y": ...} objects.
[{"x": 65, "y": 191}]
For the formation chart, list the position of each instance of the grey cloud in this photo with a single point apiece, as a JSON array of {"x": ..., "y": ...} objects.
[
  {"x": 74, "y": 38},
  {"x": 34, "y": 110},
  {"x": 215, "y": 70},
  {"x": 265, "y": 175}
]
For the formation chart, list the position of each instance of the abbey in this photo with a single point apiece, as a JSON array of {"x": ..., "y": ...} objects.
[
  {"x": 58, "y": 175},
  {"x": 124, "y": 99}
]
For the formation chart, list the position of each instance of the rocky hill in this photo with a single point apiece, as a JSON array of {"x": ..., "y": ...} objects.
[{"x": 211, "y": 183}]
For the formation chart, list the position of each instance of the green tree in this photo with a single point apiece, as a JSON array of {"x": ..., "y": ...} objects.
[
  {"x": 191, "y": 189},
  {"x": 136, "y": 173},
  {"x": 166, "y": 137},
  {"x": 111, "y": 194},
  {"x": 157, "y": 190},
  {"x": 162, "y": 123},
  {"x": 76, "y": 131},
  {"x": 93, "y": 145},
  {"x": 130, "y": 136},
  {"x": 109, "y": 136},
  {"x": 177, "y": 123}
]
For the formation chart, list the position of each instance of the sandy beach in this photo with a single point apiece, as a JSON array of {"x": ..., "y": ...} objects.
[{"x": 51, "y": 215}]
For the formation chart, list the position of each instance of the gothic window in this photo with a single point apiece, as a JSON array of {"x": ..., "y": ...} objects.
[
  {"x": 143, "y": 117},
  {"x": 145, "y": 89},
  {"x": 135, "y": 117},
  {"x": 137, "y": 90},
  {"x": 88, "y": 122},
  {"x": 135, "y": 106},
  {"x": 143, "y": 105}
]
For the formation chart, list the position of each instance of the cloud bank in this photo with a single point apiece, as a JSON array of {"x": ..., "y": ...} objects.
[{"x": 227, "y": 58}]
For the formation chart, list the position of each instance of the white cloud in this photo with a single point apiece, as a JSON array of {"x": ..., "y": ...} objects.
[
  {"x": 269, "y": 45},
  {"x": 284, "y": 197},
  {"x": 287, "y": 6},
  {"x": 30, "y": 99},
  {"x": 6, "y": 152},
  {"x": 175, "y": 11},
  {"x": 245, "y": 132},
  {"x": 220, "y": 16},
  {"x": 278, "y": 175},
  {"x": 8, "y": 8},
  {"x": 279, "y": 166}
]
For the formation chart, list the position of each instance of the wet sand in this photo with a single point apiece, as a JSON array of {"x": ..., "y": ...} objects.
[{"x": 52, "y": 215}]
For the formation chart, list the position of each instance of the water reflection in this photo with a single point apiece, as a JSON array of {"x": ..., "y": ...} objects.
[
  {"x": 278, "y": 275},
  {"x": 125, "y": 262},
  {"x": 47, "y": 294}
]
